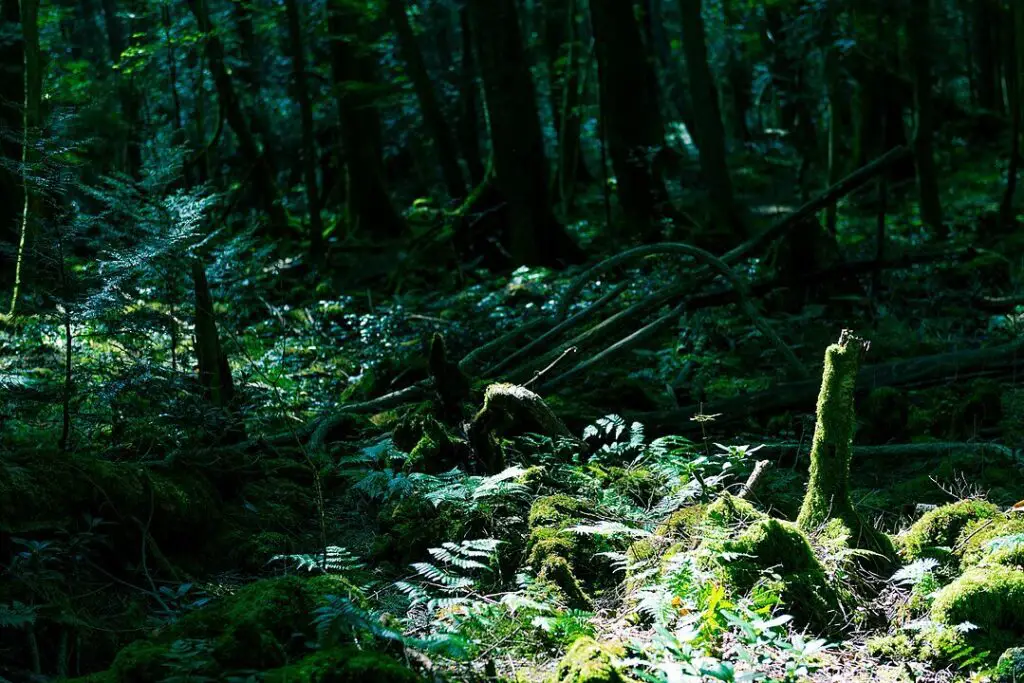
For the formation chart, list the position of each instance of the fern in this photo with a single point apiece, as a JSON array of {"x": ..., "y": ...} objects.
[
  {"x": 451, "y": 582},
  {"x": 915, "y": 572},
  {"x": 17, "y": 615},
  {"x": 334, "y": 560},
  {"x": 612, "y": 440}
]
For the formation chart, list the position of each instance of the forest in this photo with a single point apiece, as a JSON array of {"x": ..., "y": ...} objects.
[{"x": 511, "y": 341}]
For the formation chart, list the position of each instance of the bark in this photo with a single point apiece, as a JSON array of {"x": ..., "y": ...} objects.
[
  {"x": 920, "y": 44},
  {"x": 430, "y": 105},
  {"x": 231, "y": 108},
  {"x": 468, "y": 121},
  {"x": 354, "y": 74},
  {"x": 250, "y": 72},
  {"x": 214, "y": 373},
  {"x": 12, "y": 89},
  {"x": 710, "y": 131},
  {"x": 309, "y": 158},
  {"x": 563, "y": 48},
  {"x": 633, "y": 122},
  {"x": 534, "y": 236},
  {"x": 1014, "y": 70},
  {"x": 676, "y": 84},
  {"x": 985, "y": 21}
]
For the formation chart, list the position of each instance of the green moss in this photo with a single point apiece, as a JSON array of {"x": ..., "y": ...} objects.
[
  {"x": 979, "y": 536},
  {"x": 728, "y": 511},
  {"x": 588, "y": 661},
  {"x": 770, "y": 545},
  {"x": 557, "y": 571},
  {"x": 344, "y": 665},
  {"x": 936, "y": 645},
  {"x": 942, "y": 526},
  {"x": 533, "y": 477},
  {"x": 989, "y": 597},
  {"x": 545, "y": 543},
  {"x": 685, "y": 524},
  {"x": 436, "y": 449},
  {"x": 639, "y": 485},
  {"x": 556, "y": 512}
]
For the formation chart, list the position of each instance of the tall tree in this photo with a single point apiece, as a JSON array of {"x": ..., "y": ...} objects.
[
  {"x": 354, "y": 74},
  {"x": 631, "y": 112},
  {"x": 430, "y": 106},
  {"x": 563, "y": 47},
  {"x": 231, "y": 107},
  {"x": 920, "y": 44},
  {"x": 128, "y": 93},
  {"x": 309, "y": 160},
  {"x": 1015, "y": 90},
  {"x": 534, "y": 235},
  {"x": 467, "y": 126},
  {"x": 12, "y": 89},
  {"x": 708, "y": 120}
]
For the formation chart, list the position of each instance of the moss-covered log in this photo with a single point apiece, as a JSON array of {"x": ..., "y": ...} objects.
[
  {"x": 510, "y": 408},
  {"x": 828, "y": 491}
]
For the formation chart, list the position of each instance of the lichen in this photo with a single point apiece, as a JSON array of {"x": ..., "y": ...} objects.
[{"x": 588, "y": 661}]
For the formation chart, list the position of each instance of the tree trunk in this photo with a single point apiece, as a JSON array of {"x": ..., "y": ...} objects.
[
  {"x": 430, "y": 106},
  {"x": 468, "y": 121},
  {"x": 919, "y": 44},
  {"x": 214, "y": 372},
  {"x": 534, "y": 235},
  {"x": 710, "y": 132},
  {"x": 633, "y": 122},
  {"x": 262, "y": 173},
  {"x": 985, "y": 43},
  {"x": 1014, "y": 72},
  {"x": 309, "y": 159},
  {"x": 250, "y": 72},
  {"x": 563, "y": 48},
  {"x": 353, "y": 73},
  {"x": 126, "y": 89}
]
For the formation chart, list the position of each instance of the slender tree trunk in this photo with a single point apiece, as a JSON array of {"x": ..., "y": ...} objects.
[
  {"x": 919, "y": 43},
  {"x": 214, "y": 372},
  {"x": 534, "y": 236},
  {"x": 309, "y": 158},
  {"x": 12, "y": 97},
  {"x": 129, "y": 96},
  {"x": 632, "y": 115},
  {"x": 985, "y": 42},
  {"x": 468, "y": 121},
  {"x": 250, "y": 72},
  {"x": 675, "y": 80},
  {"x": 563, "y": 49},
  {"x": 1014, "y": 73},
  {"x": 370, "y": 205},
  {"x": 708, "y": 120},
  {"x": 262, "y": 172},
  {"x": 430, "y": 106}
]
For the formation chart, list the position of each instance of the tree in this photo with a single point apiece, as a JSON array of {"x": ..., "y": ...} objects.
[
  {"x": 708, "y": 120},
  {"x": 534, "y": 235},
  {"x": 563, "y": 47},
  {"x": 468, "y": 119},
  {"x": 919, "y": 44},
  {"x": 309, "y": 159},
  {"x": 354, "y": 76},
  {"x": 130, "y": 106},
  {"x": 433, "y": 116},
  {"x": 231, "y": 107},
  {"x": 12, "y": 88},
  {"x": 632, "y": 115}
]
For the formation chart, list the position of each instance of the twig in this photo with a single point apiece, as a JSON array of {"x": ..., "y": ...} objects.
[
  {"x": 541, "y": 373},
  {"x": 754, "y": 479},
  {"x": 961, "y": 544}
]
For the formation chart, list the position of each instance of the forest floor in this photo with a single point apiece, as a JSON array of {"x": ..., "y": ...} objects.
[{"x": 601, "y": 534}]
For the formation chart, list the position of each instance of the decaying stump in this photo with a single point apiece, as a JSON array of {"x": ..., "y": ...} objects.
[{"x": 510, "y": 408}]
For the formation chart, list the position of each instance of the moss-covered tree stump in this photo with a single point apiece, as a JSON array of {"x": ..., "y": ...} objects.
[
  {"x": 828, "y": 491},
  {"x": 510, "y": 408}
]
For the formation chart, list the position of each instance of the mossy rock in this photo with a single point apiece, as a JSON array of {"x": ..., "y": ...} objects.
[
  {"x": 989, "y": 597},
  {"x": 556, "y": 571},
  {"x": 995, "y": 540},
  {"x": 345, "y": 665},
  {"x": 934, "y": 645},
  {"x": 588, "y": 661},
  {"x": 941, "y": 527},
  {"x": 770, "y": 547},
  {"x": 556, "y": 512}
]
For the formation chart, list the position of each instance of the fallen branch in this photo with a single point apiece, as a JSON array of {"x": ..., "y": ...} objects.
[
  {"x": 801, "y": 395},
  {"x": 755, "y": 478}
]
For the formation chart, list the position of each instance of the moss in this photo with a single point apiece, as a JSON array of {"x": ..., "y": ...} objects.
[
  {"x": 828, "y": 491},
  {"x": 413, "y": 525},
  {"x": 729, "y": 511},
  {"x": 588, "y": 661},
  {"x": 557, "y": 571},
  {"x": 685, "y": 524},
  {"x": 936, "y": 645},
  {"x": 639, "y": 485},
  {"x": 556, "y": 512},
  {"x": 1010, "y": 667},
  {"x": 978, "y": 536},
  {"x": 344, "y": 665},
  {"x": 533, "y": 477},
  {"x": 942, "y": 526},
  {"x": 509, "y": 409},
  {"x": 989, "y": 597},
  {"x": 545, "y": 543},
  {"x": 782, "y": 549},
  {"x": 436, "y": 450}
]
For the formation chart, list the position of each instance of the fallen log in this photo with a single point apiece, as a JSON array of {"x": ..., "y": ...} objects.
[{"x": 801, "y": 395}]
